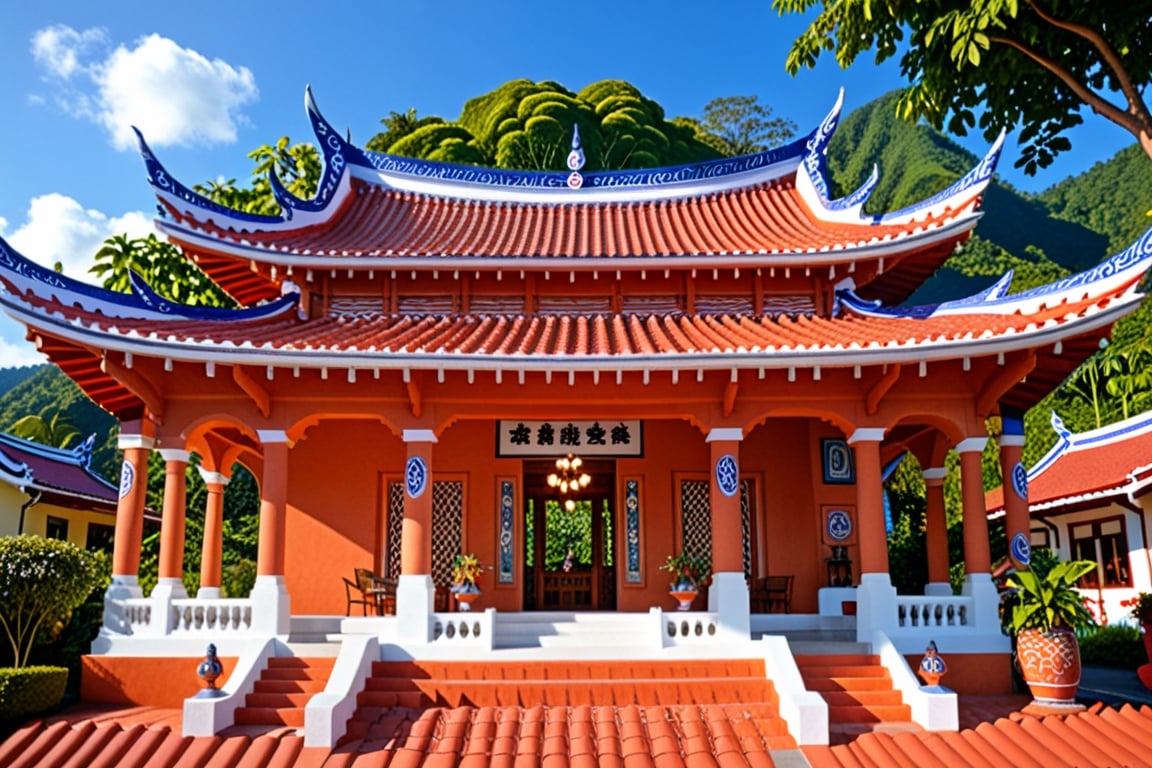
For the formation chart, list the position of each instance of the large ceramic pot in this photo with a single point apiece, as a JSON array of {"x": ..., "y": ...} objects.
[
  {"x": 685, "y": 592},
  {"x": 1050, "y": 663},
  {"x": 1144, "y": 671},
  {"x": 464, "y": 599}
]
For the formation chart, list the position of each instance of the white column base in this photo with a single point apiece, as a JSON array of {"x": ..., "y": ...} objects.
[
  {"x": 174, "y": 587},
  {"x": 415, "y": 597},
  {"x": 122, "y": 587},
  {"x": 875, "y": 606},
  {"x": 938, "y": 589},
  {"x": 208, "y": 593},
  {"x": 271, "y": 607},
  {"x": 728, "y": 597},
  {"x": 985, "y": 602}
]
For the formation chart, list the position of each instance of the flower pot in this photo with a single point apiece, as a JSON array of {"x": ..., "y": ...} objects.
[
  {"x": 685, "y": 596},
  {"x": 464, "y": 600},
  {"x": 1050, "y": 663}
]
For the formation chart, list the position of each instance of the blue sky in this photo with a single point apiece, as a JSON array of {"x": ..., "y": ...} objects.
[{"x": 208, "y": 81}]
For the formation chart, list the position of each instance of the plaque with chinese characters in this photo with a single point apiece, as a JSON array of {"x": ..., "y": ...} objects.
[{"x": 602, "y": 437}]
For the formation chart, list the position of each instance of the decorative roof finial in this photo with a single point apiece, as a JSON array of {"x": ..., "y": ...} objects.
[{"x": 575, "y": 160}]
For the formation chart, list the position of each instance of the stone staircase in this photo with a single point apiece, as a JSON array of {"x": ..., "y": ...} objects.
[
  {"x": 283, "y": 690},
  {"x": 731, "y": 691},
  {"x": 857, "y": 689},
  {"x": 551, "y": 629}
]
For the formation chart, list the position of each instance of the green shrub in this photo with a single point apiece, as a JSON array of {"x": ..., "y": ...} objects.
[
  {"x": 1114, "y": 645},
  {"x": 41, "y": 582},
  {"x": 238, "y": 579},
  {"x": 31, "y": 690}
]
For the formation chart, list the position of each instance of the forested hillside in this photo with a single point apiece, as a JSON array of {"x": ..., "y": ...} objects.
[
  {"x": 10, "y": 377},
  {"x": 1112, "y": 198},
  {"x": 48, "y": 390}
]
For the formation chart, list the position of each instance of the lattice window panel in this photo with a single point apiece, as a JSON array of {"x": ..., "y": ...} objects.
[
  {"x": 447, "y": 522},
  {"x": 696, "y": 520},
  {"x": 746, "y": 527},
  {"x": 395, "y": 526}
]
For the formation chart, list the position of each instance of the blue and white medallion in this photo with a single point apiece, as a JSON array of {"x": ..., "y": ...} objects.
[
  {"x": 839, "y": 525},
  {"x": 1021, "y": 549},
  {"x": 727, "y": 475},
  {"x": 416, "y": 477},
  {"x": 1020, "y": 480},
  {"x": 127, "y": 479}
]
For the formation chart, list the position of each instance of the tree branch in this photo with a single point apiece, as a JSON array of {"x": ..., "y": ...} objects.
[
  {"x": 1101, "y": 106},
  {"x": 1135, "y": 101}
]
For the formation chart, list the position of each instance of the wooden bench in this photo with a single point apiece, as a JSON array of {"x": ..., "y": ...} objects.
[{"x": 769, "y": 593}]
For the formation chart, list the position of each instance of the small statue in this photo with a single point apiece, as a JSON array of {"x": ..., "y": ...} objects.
[
  {"x": 208, "y": 671},
  {"x": 932, "y": 666}
]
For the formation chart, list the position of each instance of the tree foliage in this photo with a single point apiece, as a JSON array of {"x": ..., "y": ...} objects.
[
  {"x": 49, "y": 427},
  {"x": 741, "y": 125},
  {"x": 162, "y": 266},
  {"x": 298, "y": 166},
  {"x": 997, "y": 64},
  {"x": 527, "y": 125},
  {"x": 41, "y": 582}
]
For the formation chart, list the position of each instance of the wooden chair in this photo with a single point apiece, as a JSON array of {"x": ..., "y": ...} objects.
[
  {"x": 375, "y": 591},
  {"x": 357, "y": 597},
  {"x": 779, "y": 592}
]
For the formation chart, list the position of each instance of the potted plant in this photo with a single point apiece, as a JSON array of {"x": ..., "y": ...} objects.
[
  {"x": 1046, "y": 612},
  {"x": 1141, "y": 606},
  {"x": 466, "y": 570},
  {"x": 689, "y": 572}
]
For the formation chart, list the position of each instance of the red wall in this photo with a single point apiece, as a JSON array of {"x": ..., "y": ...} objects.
[{"x": 336, "y": 512}]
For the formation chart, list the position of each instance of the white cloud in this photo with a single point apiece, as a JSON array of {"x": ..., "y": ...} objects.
[
  {"x": 174, "y": 95},
  {"x": 59, "y": 49},
  {"x": 18, "y": 353},
  {"x": 59, "y": 229}
]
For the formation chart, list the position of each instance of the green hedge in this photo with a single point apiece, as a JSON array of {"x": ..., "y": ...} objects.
[
  {"x": 31, "y": 690},
  {"x": 1114, "y": 645}
]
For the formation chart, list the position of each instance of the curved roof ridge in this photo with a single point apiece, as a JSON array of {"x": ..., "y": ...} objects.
[
  {"x": 1118, "y": 273},
  {"x": 965, "y": 188},
  {"x": 23, "y": 276}
]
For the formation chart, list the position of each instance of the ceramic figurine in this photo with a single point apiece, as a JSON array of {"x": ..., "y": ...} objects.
[{"x": 932, "y": 666}]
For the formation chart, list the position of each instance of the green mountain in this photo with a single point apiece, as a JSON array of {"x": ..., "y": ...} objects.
[
  {"x": 10, "y": 377},
  {"x": 47, "y": 388},
  {"x": 1017, "y": 232}
]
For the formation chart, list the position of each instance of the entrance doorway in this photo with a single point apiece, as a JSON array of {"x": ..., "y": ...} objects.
[{"x": 569, "y": 548}]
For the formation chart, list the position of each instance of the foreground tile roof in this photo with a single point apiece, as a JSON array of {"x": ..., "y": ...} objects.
[{"x": 558, "y": 737}]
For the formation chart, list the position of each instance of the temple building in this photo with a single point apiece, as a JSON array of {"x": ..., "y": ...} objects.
[
  {"x": 1088, "y": 500},
  {"x": 722, "y": 345}
]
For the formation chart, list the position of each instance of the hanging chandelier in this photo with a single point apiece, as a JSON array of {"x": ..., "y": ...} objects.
[{"x": 569, "y": 475}]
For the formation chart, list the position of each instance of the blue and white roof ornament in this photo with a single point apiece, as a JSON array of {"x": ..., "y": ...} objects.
[
  {"x": 335, "y": 178},
  {"x": 966, "y": 187},
  {"x": 1122, "y": 270},
  {"x": 24, "y": 277},
  {"x": 812, "y": 182}
]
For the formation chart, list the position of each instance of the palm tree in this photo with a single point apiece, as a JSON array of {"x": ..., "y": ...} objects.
[{"x": 50, "y": 427}]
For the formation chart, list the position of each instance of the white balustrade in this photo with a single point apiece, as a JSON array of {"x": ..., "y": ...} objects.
[
  {"x": 474, "y": 629},
  {"x": 145, "y": 616},
  {"x": 932, "y": 612},
  {"x": 694, "y": 627}
]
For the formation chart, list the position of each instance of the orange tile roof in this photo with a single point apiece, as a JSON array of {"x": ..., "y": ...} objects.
[
  {"x": 614, "y": 339},
  {"x": 584, "y": 737},
  {"x": 769, "y": 217}
]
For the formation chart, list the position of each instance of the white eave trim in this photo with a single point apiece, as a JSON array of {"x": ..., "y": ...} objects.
[{"x": 160, "y": 346}]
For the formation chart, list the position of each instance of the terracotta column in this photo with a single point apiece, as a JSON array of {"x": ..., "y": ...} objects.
[
  {"x": 172, "y": 524},
  {"x": 978, "y": 582},
  {"x": 212, "y": 554},
  {"x": 870, "y": 500},
  {"x": 724, "y": 500},
  {"x": 416, "y": 532},
  {"x": 271, "y": 610},
  {"x": 1015, "y": 477},
  {"x": 977, "y": 553},
  {"x": 936, "y": 530},
  {"x": 728, "y": 593},
  {"x": 136, "y": 441},
  {"x": 416, "y": 592},
  {"x": 875, "y": 597}
]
